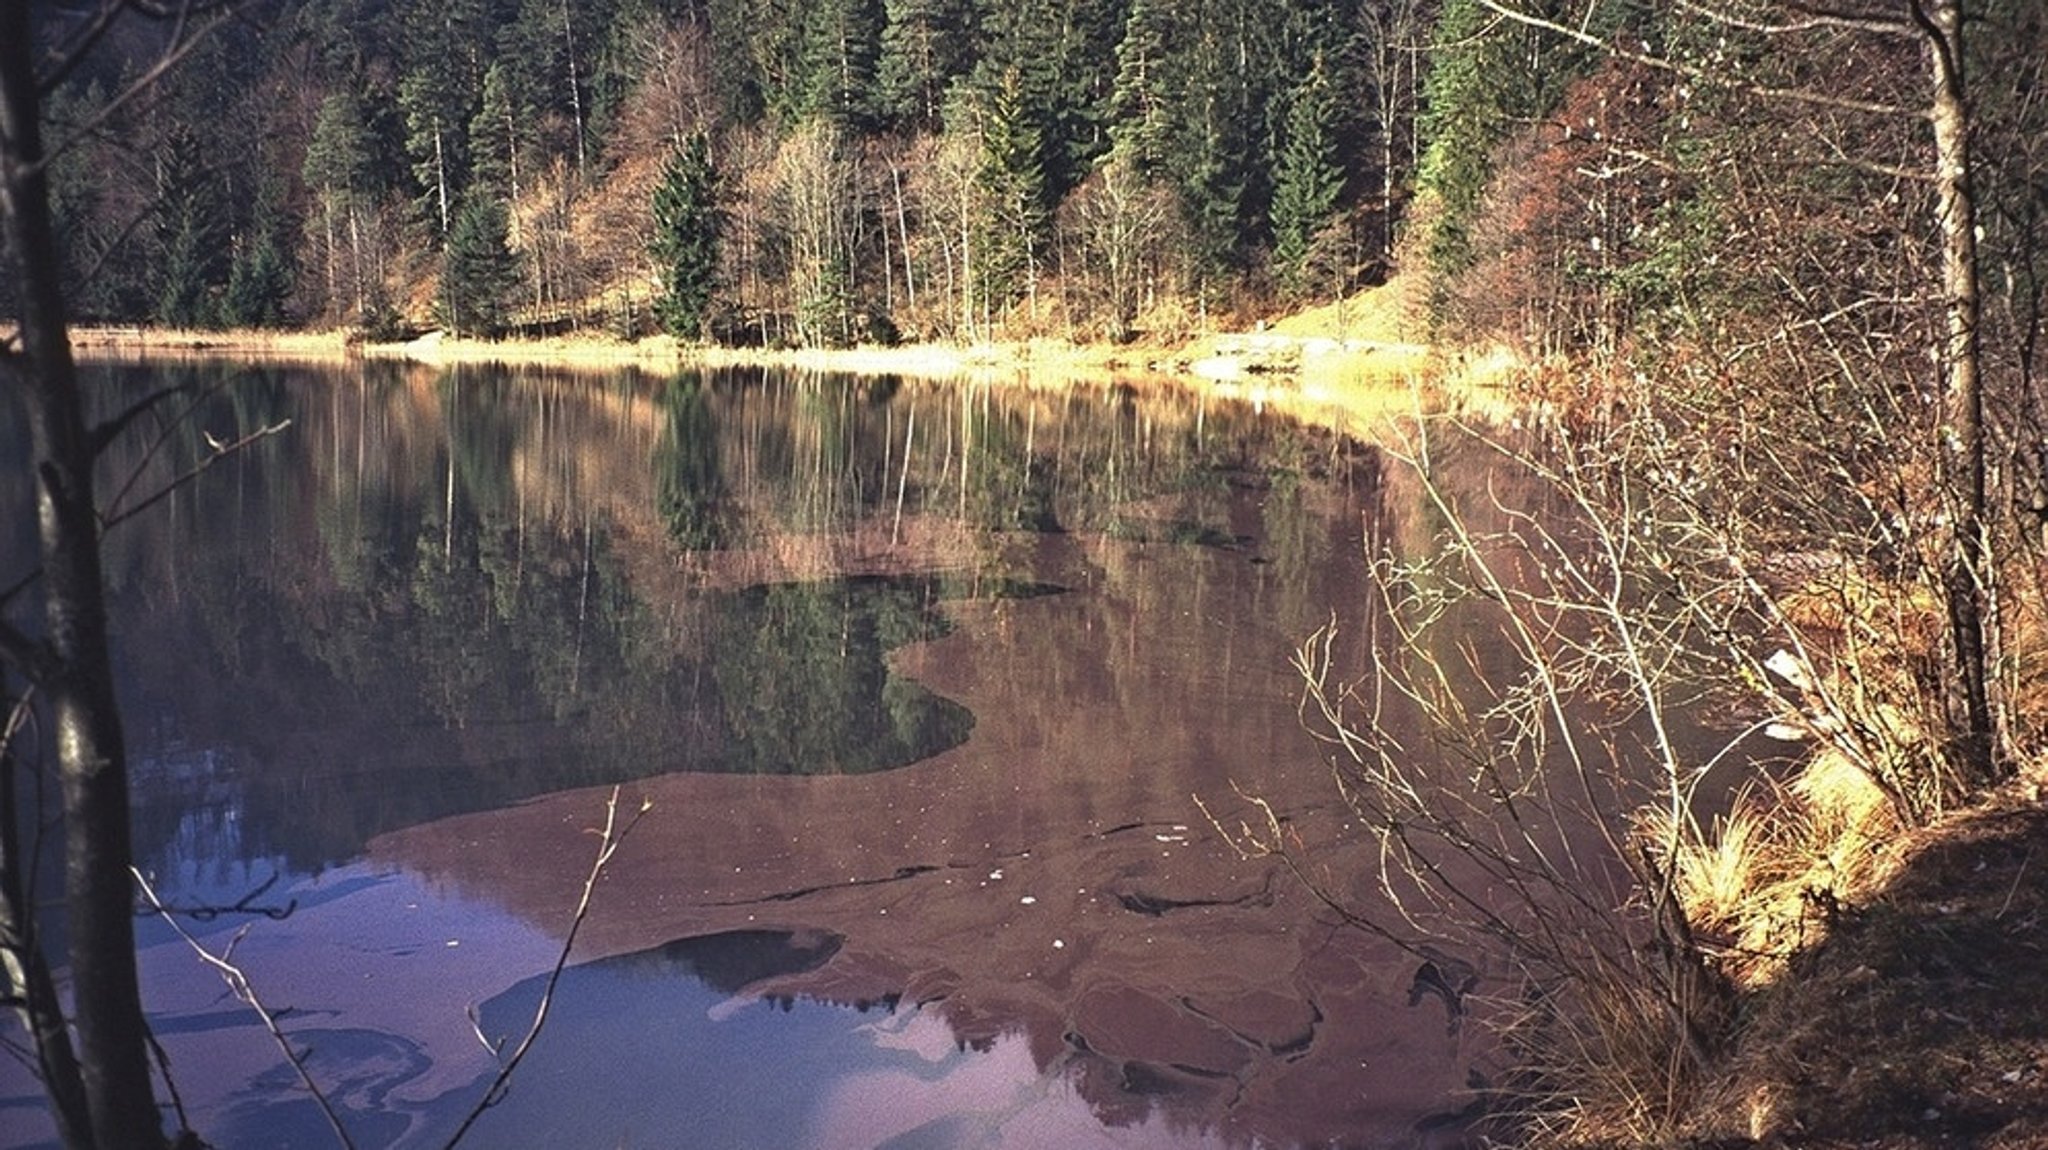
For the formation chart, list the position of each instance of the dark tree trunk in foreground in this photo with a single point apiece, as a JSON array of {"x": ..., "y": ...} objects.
[{"x": 70, "y": 666}]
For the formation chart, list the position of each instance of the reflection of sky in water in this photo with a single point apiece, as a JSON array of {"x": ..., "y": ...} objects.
[
  {"x": 374, "y": 974},
  {"x": 636, "y": 1058},
  {"x": 993, "y": 1099}
]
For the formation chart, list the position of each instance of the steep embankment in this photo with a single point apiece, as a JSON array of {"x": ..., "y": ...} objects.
[{"x": 1922, "y": 1020}]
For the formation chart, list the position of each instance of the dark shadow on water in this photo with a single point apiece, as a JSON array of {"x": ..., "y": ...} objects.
[
  {"x": 350, "y": 731},
  {"x": 729, "y": 961}
]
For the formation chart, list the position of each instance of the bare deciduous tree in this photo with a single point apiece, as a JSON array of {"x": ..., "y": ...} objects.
[
  {"x": 1116, "y": 218},
  {"x": 1800, "y": 35}
]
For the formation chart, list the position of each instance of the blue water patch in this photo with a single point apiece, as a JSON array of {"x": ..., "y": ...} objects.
[{"x": 649, "y": 1048}]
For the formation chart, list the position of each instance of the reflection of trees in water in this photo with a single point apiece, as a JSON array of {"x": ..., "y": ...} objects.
[
  {"x": 762, "y": 454},
  {"x": 689, "y": 476},
  {"x": 803, "y": 686},
  {"x": 446, "y": 592},
  {"x": 468, "y": 669}
]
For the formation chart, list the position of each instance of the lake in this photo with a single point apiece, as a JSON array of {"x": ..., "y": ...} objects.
[{"x": 925, "y": 690}]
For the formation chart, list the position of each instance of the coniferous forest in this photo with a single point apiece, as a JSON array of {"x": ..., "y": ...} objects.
[
  {"x": 880, "y": 170},
  {"x": 800, "y": 173}
]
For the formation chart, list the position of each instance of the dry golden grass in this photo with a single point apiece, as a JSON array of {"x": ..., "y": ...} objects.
[
  {"x": 136, "y": 343},
  {"x": 1355, "y": 364},
  {"x": 1759, "y": 883},
  {"x": 1924, "y": 1019}
]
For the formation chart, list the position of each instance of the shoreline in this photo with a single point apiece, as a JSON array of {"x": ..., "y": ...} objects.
[
  {"x": 597, "y": 352},
  {"x": 1356, "y": 386}
]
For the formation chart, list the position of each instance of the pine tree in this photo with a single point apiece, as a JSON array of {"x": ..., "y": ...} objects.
[
  {"x": 563, "y": 64},
  {"x": 1037, "y": 59},
  {"x": 1138, "y": 105},
  {"x": 190, "y": 235},
  {"x": 259, "y": 283},
  {"x": 446, "y": 43},
  {"x": 260, "y": 275},
  {"x": 926, "y": 46},
  {"x": 338, "y": 168},
  {"x": 1310, "y": 180},
  {"x": 338, "y": 155},
  {"x": 479, "y": 270},
  {"x": 1213, "y": 150},
  {"x": 433, "y": 142},
  {"x": 498, "y": 135},
  {"x": 757, "y": 54},
  {"x": 1012, "y": 184},
  {"x": 687, "y": 226},
  {"x": 841, "y": 50}
]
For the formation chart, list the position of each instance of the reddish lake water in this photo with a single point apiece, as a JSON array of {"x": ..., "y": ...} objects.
[{"x": 926, "y": 687}]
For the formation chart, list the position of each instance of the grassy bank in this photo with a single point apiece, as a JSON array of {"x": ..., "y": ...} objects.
[{"x": 1352, "y": 364}]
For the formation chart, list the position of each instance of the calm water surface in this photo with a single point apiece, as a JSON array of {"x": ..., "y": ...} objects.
[{"x": 920, "y": 686}]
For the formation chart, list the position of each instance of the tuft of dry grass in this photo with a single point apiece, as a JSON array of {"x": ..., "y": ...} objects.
[
  {"x": 134, "y": 343},
  {"x": 1760, "y": 883}
]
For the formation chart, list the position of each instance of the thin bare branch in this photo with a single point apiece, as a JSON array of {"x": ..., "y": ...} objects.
[
  {"x": 238, "y": 983},
  {"x": 220, "y": 451},
  {"x": 1703, "y": 75},
  {"x": 1811, "y": 19},
  {"x": 610, "y": 836}
]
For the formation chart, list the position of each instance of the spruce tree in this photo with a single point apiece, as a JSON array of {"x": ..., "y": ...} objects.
[
  {"x": 190, "y": 235},
  {"x": 1037, "y": 59},
  {"x": 434, "y": 117},
  {"x": 260, "y": 271},
  {"x": 259, "y": 283},
  {"x": 1011, "y": 181},
  {"x": 1309, "y": 182},
  {"x": 926, "y": 46},
  {"x": 1138, "y": 103},
  {"x": 338, "y": 168},
  {"x": 842, "y": 47},
  {"x": 687, "y": 226},
  {"x": 338, "y": 156},
  {"x": 498, "y": 135},
  {"x": 447, "y": 43},
  {"x": 479, "y": 270},
  {"x": 1212, "y": 152},
  {"x": 1461, "y": 126}
]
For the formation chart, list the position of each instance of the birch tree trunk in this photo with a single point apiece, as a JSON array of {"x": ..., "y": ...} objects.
[{"x": 1970, "y": 601}]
